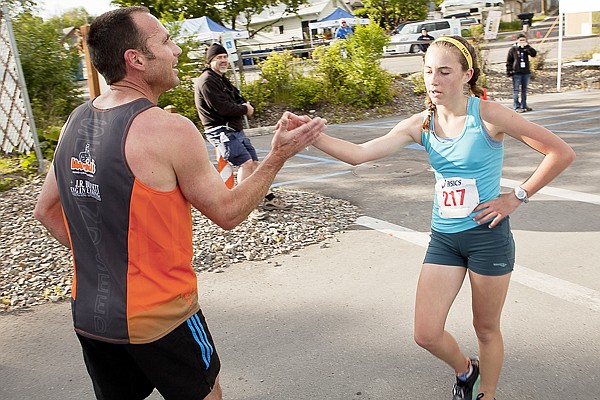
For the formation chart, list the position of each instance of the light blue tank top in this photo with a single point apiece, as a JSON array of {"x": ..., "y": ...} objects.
[{"x": 472, "y": 154}]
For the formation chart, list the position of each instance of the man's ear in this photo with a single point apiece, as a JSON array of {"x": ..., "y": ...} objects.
[{"x": 134, "y": 59}]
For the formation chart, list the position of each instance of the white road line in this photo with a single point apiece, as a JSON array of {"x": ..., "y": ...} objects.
[
  {"x": 313, "y": 178},
  {"x": 563, "y": 193},
  {"x": 570, "y": 122},
  {"x": 544, "y": 283},
  {"x": 572, "y": 112}
]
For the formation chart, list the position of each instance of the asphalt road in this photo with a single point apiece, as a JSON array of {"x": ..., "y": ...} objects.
[
  {"x": 334, "y": 321},
  {"x": 495, "y": 52}
]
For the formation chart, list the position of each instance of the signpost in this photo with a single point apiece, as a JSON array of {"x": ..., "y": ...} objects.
[
  {"x": 492, "y": 24},
  {"x": 229, "y": 43}
]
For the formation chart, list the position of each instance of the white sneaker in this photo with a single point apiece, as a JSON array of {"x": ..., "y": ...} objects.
[
  {"x": 276, "y": 204},
  {"x": 258, "y": 215}
]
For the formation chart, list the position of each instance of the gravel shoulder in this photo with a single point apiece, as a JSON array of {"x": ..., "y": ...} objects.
[{"x": 35, "y": 269}]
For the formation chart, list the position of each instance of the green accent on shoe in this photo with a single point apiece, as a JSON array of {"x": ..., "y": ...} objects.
[{"x": 467, "y": 390}]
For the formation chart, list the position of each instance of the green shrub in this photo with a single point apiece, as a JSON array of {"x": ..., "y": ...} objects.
[
  {"x": 350, "y": 69},
  {"x": 182, "y": 98},
  {"x": 306, "y": 92},
  {"x": 11, "y": 174},
  {"x": 279, "y": 70},
  {"x": 418, "y": 82},
  {"x": 539, "y": 61},
  {"x": 258, "y": 94},
  {"x": 331, "y": 68},
  {"x": 516, "y": 25},
  {"x": 48, "y": 139}
]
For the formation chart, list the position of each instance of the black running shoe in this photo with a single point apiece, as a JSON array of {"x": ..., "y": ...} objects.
[{"x": 467, "y": 390}]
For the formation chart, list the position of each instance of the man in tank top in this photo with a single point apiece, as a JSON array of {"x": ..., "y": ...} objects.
[{"x": 119, "y": 194}]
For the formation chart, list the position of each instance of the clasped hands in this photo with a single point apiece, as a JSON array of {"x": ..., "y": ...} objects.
[{"x": 293, "y": 133}]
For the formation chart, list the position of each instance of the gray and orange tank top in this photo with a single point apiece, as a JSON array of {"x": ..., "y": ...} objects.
[{"x": 131, "y": 244}]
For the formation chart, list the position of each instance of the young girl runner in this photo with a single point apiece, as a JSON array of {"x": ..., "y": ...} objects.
[{"x": 470, "y": 232}]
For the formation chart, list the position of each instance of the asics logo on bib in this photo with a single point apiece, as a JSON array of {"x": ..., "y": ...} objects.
[{"x": 452, "y": 182}]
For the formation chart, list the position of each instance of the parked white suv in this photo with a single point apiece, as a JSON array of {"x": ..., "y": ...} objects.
[{"x": 405, "y": 41}]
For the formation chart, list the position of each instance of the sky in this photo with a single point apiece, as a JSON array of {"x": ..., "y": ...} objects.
[{"x": 51, "y": 8}]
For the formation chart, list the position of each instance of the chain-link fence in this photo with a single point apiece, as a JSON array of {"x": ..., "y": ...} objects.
[{"x": 17, "y": 127}]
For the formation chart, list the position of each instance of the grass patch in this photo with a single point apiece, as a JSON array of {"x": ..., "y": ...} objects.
[{"x": 12, "y": 173}]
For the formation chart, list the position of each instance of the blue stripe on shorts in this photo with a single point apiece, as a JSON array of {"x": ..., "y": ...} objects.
[{"x": 200, "y": 337}]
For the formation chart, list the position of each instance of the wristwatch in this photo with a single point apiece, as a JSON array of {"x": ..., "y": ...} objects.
[{"x": 521, "y": 194}]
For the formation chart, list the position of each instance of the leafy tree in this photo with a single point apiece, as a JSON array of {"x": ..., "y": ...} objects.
[
  {"x": 390, "y": 13},
  {"x": 173, "y": 10},
  {"x": 224, "y": 11},
  {"x": 77, "y": 16},
  {"x": 17, "y": 6},
  {"x": 253, "y": 7},
  {"x": 49, "y": 66}
]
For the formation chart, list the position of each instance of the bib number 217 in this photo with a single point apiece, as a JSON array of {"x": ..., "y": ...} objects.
[{"x": 456, "y": 197}]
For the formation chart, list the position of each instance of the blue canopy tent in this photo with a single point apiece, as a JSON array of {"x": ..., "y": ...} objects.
[
  {"x": 334, "y": 19},
  {"x": 205, "y": 29}
]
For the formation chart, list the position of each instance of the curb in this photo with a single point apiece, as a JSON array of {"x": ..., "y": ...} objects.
[{"x": 260, "y": 131}]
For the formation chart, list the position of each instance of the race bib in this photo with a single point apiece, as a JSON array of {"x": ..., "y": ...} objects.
[
  {"x": 223, "y": 137},
  {"x": 456, "y": 197}
]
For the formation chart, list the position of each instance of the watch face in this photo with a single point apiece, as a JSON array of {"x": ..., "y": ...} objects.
[{"x": 521, "y": 194}]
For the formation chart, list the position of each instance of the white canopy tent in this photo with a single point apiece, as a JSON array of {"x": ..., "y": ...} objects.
[
  {"x": 205, "y": 29},
  {"x": 567, "y": 7}
]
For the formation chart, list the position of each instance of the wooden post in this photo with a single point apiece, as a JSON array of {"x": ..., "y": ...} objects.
[{"x": 92, "y": 74}]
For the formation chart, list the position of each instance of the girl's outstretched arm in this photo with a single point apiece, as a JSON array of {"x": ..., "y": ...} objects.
[{"x": 404, "y": 133}]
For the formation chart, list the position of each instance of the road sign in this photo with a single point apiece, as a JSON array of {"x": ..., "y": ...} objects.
[
  {"x": 229, "y": 44},
  {"x": 492, "y": 24}
]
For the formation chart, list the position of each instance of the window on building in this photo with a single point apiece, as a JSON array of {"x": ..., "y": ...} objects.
[{"x": 306, "y": 30}]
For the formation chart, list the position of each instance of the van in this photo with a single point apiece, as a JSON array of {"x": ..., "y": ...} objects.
[{"x": 405, "y": 41}]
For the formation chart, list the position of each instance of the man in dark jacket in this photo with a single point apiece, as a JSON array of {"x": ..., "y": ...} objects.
[
  {"x": 518, "y": 67},
  {"x": 221, "y": 108},
  {"x": 424, "y": 36}
]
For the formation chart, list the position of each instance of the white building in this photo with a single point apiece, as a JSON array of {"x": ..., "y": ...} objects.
[
  {"x": 274, "y": 28},
  {"x": 471, "y": 7}
]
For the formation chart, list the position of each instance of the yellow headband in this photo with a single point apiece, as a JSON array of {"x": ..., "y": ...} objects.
[{"x": 459, "y": 46}]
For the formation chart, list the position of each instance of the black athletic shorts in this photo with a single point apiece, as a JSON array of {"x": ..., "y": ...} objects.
[{"x": 182, "y": 365}]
